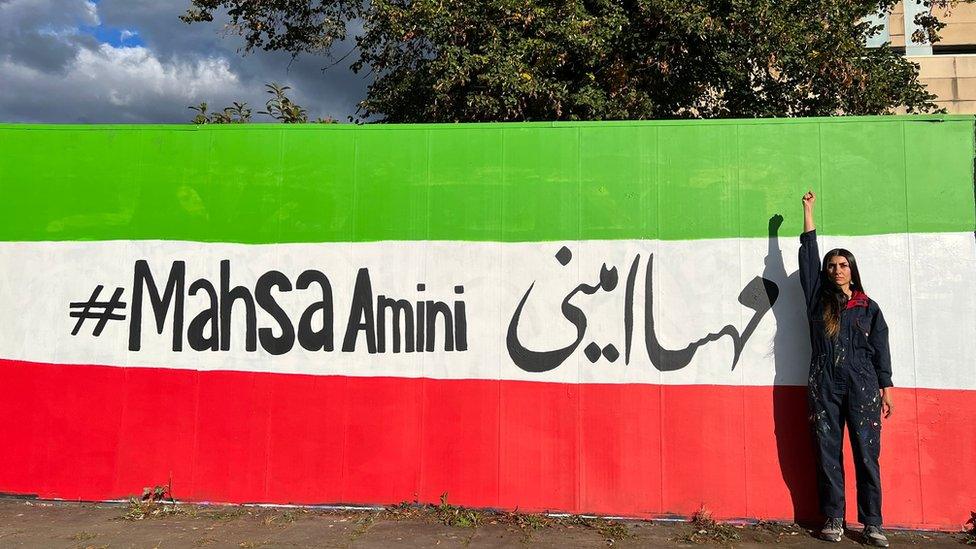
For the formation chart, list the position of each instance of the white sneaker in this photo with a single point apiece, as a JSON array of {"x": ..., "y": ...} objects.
[
  {"x": 874, "y": 536},
  {"x": 833, "y": 530}
]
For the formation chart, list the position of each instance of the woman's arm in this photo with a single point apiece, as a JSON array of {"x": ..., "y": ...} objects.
[
  {"x": 808, "y": 200},
  {"x": 809, "y": 253},
  {"x": 882, "y": 359},
  {"x": 882, "y": 355}
]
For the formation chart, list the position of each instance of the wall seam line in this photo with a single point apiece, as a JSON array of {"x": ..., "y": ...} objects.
[{"x": 911, "y": 316}]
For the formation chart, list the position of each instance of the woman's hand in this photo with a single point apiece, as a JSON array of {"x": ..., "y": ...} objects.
[
  {"x": 886, "y": 406},
  {"x": 808, "y": 200}
]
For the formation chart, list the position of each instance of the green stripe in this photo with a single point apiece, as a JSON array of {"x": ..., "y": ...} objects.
[{"x": 488, "y": 182}]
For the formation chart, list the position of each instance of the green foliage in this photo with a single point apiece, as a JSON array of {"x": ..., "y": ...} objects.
[
  {"x": 611, "y": 530},
  {"x": 457, "y": 517},
  {"x": 493, "y": 60},
  {"x": 155, "y": 502},
  {"x": 705, "y": 529},
  {"x": 237, "y": 113},
  {"x": 279, "y": 107},
  {"x": 971, "y": 534},
  {"x": 201, "y": 117}
]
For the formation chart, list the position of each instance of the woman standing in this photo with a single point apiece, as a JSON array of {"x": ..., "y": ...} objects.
[{"x": 850, "y": 373}]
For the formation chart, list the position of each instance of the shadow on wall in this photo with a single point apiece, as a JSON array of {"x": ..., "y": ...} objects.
[{"x": 794, "y": 444}]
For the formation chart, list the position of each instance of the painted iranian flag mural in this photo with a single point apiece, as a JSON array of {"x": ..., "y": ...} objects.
[{"x": 592, "y": 318}]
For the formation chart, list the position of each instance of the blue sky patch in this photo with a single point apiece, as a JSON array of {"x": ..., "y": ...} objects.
[{"x": 114, "y": 36}]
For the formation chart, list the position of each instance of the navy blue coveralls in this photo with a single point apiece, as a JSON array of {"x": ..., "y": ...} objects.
[{"x": 846, "y": 374}]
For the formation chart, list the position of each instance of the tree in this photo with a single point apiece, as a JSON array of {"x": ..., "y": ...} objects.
[{"x": 497, "y": 60}]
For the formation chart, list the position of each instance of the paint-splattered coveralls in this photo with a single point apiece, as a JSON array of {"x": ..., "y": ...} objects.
[{"x": 845, "y": 376}]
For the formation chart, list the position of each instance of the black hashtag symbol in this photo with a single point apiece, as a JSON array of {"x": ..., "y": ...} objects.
[{"x": 107, "y": 310}]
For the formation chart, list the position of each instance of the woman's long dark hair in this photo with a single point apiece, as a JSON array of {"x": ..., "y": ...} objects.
[{"x": 832, "y": 297}]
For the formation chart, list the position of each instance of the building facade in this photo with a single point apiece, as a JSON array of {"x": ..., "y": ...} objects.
[{"x": 948, "y": 67}]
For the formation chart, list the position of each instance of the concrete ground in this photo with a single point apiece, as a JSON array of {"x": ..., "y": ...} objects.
[{"x": 27, "y": 523}]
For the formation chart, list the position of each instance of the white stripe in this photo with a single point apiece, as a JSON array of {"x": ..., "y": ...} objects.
[{"x": 925, "y": 284}]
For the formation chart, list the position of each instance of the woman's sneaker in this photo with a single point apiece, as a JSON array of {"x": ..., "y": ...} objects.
[
  {"x": 874, "y": 536},
  {"x": 833, "y": 529}
]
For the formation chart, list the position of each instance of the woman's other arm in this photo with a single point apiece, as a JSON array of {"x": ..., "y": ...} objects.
[{"x": 882, "y": 359}]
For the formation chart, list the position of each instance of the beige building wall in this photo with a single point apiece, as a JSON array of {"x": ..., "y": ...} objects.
[
  {"x": 961, "y": 28},
  {"x": 952, "y": 78},
  {"x": 896, "y": 26},
  {"x": 950, "y": 71}
]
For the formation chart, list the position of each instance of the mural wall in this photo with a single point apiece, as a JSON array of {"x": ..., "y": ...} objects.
[{"x": 592, "y": 318}]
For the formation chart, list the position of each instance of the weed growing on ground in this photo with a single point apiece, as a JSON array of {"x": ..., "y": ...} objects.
[
  {"x": 613, "y": 531},
  {"x": 444, "y": 512},
  {"x": 971, "y": 534},
  {"x": 405, "y": 510},
  {"x": 401, "y": 511},
  {"x": 775, "y": 527},
  {"x": 705, "y": 529},
  {"x": 286, "y": 517},
  {"x": 293, "y": 515},
  {"x": 610, "y": 530},
  {"x": 526, "y": 521},
  {"x": 363, "y": 524},
  {"x": 226, "y": 512},
  {"x": 523, "y": 523},
  {"x": 83, "y": 536},
  {"x": 155, "y": 502},
  {"x": 457, "y": 517},
  {"x": 462, "y": 517},
  {"x": 779, "y": 528}
]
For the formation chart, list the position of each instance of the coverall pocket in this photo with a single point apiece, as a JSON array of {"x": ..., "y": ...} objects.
[{"x": 863, "y": 350}]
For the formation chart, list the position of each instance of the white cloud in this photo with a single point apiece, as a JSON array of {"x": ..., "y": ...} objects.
[
  {"x": 130, "y": 78},
  {"x": 53, "y": 68},
  {"x": 126, "y": 34},
  {"x": 133, "y": 73},
  {"x": 92, "y": 9}
]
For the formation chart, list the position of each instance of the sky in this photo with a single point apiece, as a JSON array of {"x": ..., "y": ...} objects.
[{"x": 134, "y": 61}]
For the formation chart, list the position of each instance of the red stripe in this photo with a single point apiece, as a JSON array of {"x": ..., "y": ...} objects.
[{"x": 95, "y": 432}]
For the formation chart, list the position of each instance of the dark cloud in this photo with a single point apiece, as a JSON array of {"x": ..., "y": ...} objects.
[
  {"x": 44, "y": 52},
  {"x": 56, "y": 71},
  {"x": 43, "y": 34}
]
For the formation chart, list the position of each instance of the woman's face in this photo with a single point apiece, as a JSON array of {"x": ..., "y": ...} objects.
[{"x": 839, "y": 271}]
